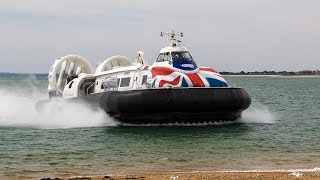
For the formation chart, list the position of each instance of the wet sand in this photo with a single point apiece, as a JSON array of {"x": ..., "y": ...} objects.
[{"x": 202, "y": 175}]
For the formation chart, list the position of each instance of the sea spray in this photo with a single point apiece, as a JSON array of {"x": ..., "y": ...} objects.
[
  {"x": 18, "y": 109},
  {"x": 257, "y": 113}
]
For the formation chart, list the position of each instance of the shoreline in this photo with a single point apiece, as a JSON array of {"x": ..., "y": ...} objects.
[
  {"x": 194, "y": 175},
  {"x": 301, "y": 173}
]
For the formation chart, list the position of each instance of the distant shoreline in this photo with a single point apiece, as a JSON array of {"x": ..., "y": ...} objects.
[
  {"x": 6, "y": 74},
  {"x": 258, "y": 75},
  {"x": 249, "y": 75}
]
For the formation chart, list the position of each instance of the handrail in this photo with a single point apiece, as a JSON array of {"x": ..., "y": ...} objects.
[{"x": 90, "y": 87}]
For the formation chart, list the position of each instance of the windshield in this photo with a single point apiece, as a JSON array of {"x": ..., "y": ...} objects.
[
  {"x": 164, "y": 57},
  {"x": 181, "y": 56}
]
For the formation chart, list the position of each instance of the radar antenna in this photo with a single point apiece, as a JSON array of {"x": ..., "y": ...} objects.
[{"x": 172, "y": 37}]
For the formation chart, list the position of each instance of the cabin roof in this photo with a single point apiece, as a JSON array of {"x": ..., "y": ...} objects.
[{"x": 172, "y": 49}]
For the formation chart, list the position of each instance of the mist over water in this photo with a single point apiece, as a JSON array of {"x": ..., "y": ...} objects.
[{"x": 19, "y": 109}]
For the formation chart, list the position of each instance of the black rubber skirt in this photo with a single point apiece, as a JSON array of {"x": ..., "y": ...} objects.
[{"x": 185, "y": 105}]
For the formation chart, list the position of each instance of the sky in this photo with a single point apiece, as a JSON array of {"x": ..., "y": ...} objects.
[{"x": 228, "y": 35}]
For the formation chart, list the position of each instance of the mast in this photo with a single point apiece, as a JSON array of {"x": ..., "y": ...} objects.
[{"x": 172, "y": 37}]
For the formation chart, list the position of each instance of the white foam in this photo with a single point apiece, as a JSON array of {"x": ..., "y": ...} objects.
[
  {"x": 316, "y": 169},
  {"x": 257, "y": 113},
  {"x": 297, "y": 174},
  {"x": 17, "y": 109}
]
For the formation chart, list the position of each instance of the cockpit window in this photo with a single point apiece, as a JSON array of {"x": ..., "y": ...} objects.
[
  {"x": 164, "y": 57},
  {"x": 181, "y": 56},
  {"x": 160, "y": 57},
  {"x": 167, "y": 56}
]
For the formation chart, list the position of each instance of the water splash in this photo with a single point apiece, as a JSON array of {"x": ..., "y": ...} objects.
[
  {"x": 17, "y": 109},
  {"x": 257, "y": 113}
]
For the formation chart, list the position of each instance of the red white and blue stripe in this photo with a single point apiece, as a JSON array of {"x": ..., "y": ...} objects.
[{"x": 169, "y": 77}]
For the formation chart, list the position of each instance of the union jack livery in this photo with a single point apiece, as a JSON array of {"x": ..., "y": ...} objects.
[
  {"x": 169, "y": 77},
  {"x": 175, "y": 67}
]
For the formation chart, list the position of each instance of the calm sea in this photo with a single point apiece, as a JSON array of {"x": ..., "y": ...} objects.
[{"x": 281, "y": 130}]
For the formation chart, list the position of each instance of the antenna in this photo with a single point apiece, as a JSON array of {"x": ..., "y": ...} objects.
[{"x": 172, "y": 37}]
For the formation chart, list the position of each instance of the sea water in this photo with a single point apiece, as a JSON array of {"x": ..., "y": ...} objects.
[{"x": 280, "y": 131}]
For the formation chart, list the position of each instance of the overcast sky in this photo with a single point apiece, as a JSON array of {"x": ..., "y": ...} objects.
[{"x": 228, "y": 35}]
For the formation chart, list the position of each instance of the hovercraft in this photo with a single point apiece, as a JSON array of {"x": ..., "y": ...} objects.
[{"x": 174, "y": 89}]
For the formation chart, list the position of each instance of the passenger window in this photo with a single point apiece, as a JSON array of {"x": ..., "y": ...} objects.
[
  {"x": 125, "y": 82},
  {"x": 144, "y": 79}
]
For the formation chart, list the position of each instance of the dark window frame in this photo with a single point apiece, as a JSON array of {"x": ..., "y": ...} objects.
[
  {"x": 125, "y": 82},
  {"x": 144, "y": 79},
  {"x": 160, "y": 57}
]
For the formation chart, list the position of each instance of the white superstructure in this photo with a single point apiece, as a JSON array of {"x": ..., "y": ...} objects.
[{"x": 73, "y": 76}]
